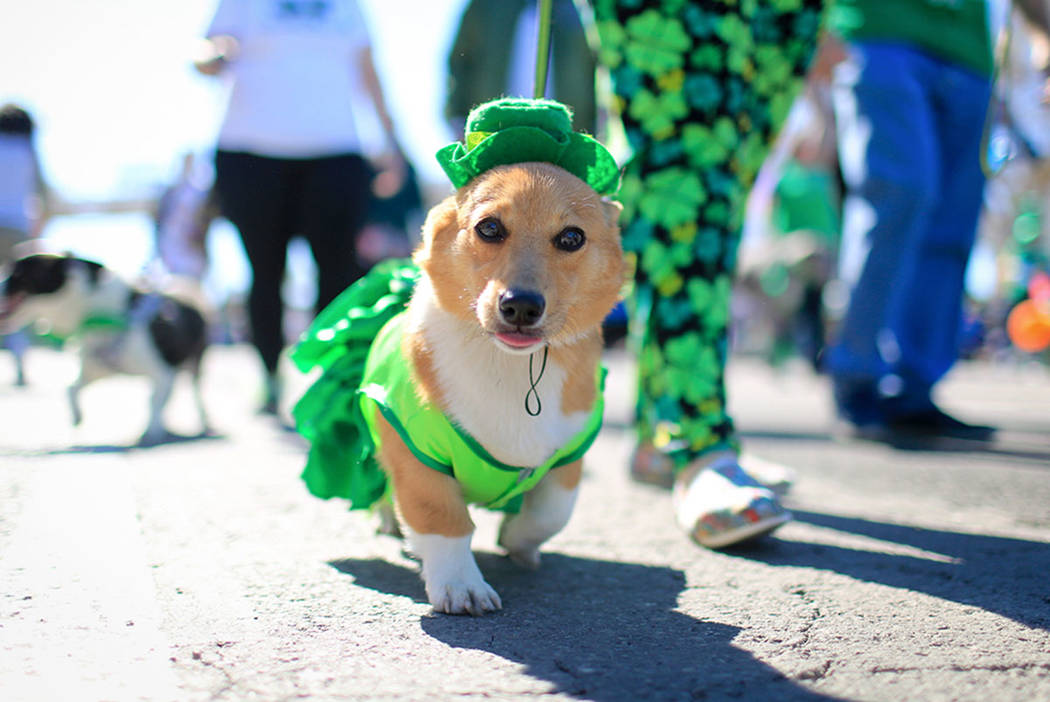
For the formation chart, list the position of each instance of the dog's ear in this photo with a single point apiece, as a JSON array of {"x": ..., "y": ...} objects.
[
  {"x": 611, "y": 209},
  {"x": 440, "y": 227}
]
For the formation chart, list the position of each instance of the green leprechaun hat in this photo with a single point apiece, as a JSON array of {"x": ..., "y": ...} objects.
[{"x": 516, "y": 130}]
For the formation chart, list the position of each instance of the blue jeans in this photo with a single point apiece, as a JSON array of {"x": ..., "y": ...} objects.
[{"x": 909, "y": 143}]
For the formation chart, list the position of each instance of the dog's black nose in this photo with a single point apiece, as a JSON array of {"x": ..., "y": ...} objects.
[{"x": 522, "y": 308}]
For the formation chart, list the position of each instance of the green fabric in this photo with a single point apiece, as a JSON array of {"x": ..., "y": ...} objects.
[
  {"x": 955, "y": 31},
  {"x": 98, "y": 322},
  {"x": 702, "y": 88},
  {"x": 807, "y": 200},
  {"x": 341, "y": 461},
  {"x": 93, "y": 323},
  {"x": 518, "y": 130},
  {"x": 388, "y": 389},
  {"x": 365, "y": 375}
]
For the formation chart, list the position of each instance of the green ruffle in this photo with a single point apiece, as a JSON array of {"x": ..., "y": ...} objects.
[{"x": 341, "y": 461}]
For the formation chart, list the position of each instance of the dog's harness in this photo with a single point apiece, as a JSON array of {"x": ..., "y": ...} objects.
[{"x": 389, "y": 390}]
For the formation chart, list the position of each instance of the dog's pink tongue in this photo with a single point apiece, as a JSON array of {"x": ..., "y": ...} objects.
[{"x": 518, "y": 341}]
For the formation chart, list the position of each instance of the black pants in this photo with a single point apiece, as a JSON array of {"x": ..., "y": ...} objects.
[{"x": 272, "y": 200}]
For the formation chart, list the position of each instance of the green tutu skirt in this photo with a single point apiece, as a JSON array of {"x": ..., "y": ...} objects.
[{"x": 342, "y": 461}]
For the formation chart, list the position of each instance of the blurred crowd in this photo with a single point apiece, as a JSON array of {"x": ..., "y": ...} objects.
[{"x": 790, "y": 295}]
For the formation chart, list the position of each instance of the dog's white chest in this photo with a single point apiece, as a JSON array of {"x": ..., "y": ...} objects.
[{"x": 485, "y": 390}]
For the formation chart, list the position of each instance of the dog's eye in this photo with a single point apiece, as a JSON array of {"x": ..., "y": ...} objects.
[
  {"x": 569, "y": 239},
  {"x": 490, "y": 230}
]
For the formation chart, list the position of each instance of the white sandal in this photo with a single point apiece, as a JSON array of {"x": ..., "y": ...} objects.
[{"x": 721, "y": 505}]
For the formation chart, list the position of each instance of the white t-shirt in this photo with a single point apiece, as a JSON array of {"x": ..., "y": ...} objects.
[{"x": 294, "y": 84}]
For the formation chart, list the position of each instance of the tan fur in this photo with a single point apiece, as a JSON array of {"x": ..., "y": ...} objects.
[
  {"x": 580, "y": 389},
  {"x": 535, "y": 201},
  {"x": 429, "y": 502},
  {"x": 569, "y": 476}
]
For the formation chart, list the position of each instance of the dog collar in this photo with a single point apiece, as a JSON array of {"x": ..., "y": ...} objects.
[
  {"x": 89, "y": 324},
  {"x": 102, "y": 322},
  {"x": 518, "y": 130}
]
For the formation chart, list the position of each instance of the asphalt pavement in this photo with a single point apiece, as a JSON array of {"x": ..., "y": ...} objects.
[{"x": 200, "y": 569}]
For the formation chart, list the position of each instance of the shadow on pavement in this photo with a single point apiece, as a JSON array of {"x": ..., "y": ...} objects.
[
  {"x": 1036, "y": 454},
  {"x": 597, "y": 629},
  {"x": 168, "y": 440},
  {"x": 1002, "y": 575},
  {"x": 1025, "y": 446},
  {"x": 383, "y": 576}
]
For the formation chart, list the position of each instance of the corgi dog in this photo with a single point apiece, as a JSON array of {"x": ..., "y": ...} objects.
[
  {"x": 502, "y": 334},
  {"x": 120, "y": 329}
]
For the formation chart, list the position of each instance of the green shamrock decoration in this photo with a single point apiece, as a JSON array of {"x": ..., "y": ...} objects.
[{"x": 656, "y": 43}]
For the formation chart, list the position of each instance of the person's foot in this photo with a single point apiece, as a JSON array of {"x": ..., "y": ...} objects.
[
  {"x": 865, "y": 414},
  {"x": 654, "y": 467},
  {"x": 935, "y": 423},
  {"x": 720, "y": 505}
]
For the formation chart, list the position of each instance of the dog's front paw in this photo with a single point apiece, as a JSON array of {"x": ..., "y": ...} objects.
[
  {"x": 453, "y": 582},
  {"x": 463, "y": 596}
]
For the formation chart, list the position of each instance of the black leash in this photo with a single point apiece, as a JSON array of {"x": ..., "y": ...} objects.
[{"x": 533, "y": 382}]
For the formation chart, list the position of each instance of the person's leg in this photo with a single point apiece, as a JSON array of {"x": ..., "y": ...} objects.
[
  {"x": 252, "y": 193},
  {"x": 700, "y": 112},
  {"x": 889, "y": 162},
  {"x": 333, "y": 205},
  {"x": 928, "y": 330}
]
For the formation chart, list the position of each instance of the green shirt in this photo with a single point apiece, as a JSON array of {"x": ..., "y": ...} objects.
[
  {"x": 952, "y": 30},
  {"x": 388, "y": 389}
]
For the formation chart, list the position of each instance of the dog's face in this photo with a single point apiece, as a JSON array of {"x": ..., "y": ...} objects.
[
  {"x": 41, "y": 286},
  {"x": 528, "y": 251}
]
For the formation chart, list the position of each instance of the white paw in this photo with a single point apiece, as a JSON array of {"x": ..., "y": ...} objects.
[
  {"x": 526, "y": 557},
  {"x": 546, "y": 510},
  {"x": 453, "y": 582},
  {"x": 474, "y": 597},
  {"x": 517, "y": 539}
]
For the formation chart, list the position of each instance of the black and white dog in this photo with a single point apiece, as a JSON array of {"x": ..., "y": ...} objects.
[{"x": 121, "y": 329}]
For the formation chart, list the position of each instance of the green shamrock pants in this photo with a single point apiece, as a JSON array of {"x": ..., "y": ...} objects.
[{"x": 702, "y": 87}]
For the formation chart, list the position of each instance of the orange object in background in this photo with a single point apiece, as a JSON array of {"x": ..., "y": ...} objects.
[{"x": 1028, "y": 325}]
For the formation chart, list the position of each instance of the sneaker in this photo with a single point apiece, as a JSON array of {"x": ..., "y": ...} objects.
[
  {"x": 654, "y": 467},
  {"x": 721, "y": 505}
]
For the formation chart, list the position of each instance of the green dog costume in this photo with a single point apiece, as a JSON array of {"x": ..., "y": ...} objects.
[{"x": 356, "y": 340}]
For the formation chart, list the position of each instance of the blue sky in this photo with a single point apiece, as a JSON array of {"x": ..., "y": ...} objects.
[{"x": 117, "y": 101}]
